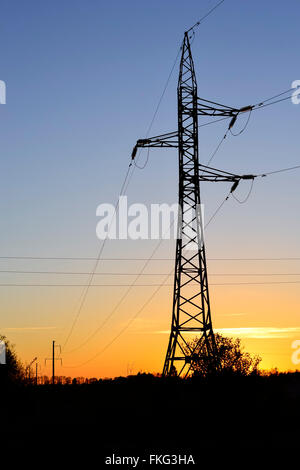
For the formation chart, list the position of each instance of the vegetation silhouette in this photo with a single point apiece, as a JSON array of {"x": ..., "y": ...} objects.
[
  {"x": 231, "y": 360},
  {"x": 145, "y": 413},
  {"x": 12, "y": 372}
]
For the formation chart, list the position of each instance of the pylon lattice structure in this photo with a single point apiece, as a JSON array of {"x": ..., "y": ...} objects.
[{"x": 191, "y": 314}]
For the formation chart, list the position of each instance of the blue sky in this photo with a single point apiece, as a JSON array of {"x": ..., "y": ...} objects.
[{"x": 83, "y": 80}]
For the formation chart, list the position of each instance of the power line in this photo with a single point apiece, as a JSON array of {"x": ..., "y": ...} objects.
[
  {"x": 247, "y": 197},
  {"x": 164, "y": 91},
  {"x": 205, "y": 16},
  {"x": 254, "y": 274},
  {"x": 124, "y": 189},
  {"x": 90, "y": 280},
  {"x": 77, "y": 285},
  {"x": 217, "y": 148},
  {"x": 279, "y": 94},
  {"x": 134, "y": 284},
  {"x": 253, "y": 283},
  {"x": 217, "y": 210},
  {"x": 126, "y": 326},
  {"x": 244, "y": 128},
  {"x": 82, "y": 273},
  {"x": 280, "y": 171},
  {"x": 143, "y": 285},
  {"x": 84, "y": 295},
  {"x": 141, "y": 259},
  {"x": 137, "y": 314},
  {"x": 263, "y": 105},
  {"x": 139, "y": 274},
  {"x": 130, "y": 286},
  {"x": 153, "y": 118},
  {"x": 215, "y": 121},
  {"x": 259, "y": 105}
]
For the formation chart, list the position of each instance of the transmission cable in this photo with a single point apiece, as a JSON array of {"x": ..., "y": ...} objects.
[
  {"x": 159, "y": 286},
  {"x": 145, "y": 285},
  {"x": 217, "y": 210},
  {"x": 280, "y": 171},
  {"x": 156, "y": 111},
  {"x": 130, "y": 287},
  {"x": 141, "y": 274},
  {"x": 123, "y": 190},
  {"x": 141, "y": 167},
  {"x": 89, "y": 282},
  {"x": 217, "y": 148},
  {"x": 134, "y": 284},
  {"x": 153, "y": 295},
  {"x": 169, "y": 77},
  {"x": 277, "y": 96},
  {"x": 244, "y": 128},
  {"x": 150, "y": 126},
  {"x": 138, "y": 259},
  {"x": 205, "y": 16},
  {"x": 257, "y": 106},
  {"x": 247, "y": 197},
  {"x": 126, "y": 326},
  {"x": 263, "y": 105},
  {"x": 139, "y": 311}
]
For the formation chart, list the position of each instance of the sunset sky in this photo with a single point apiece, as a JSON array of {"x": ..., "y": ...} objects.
[{"x": 83, "y": 81}]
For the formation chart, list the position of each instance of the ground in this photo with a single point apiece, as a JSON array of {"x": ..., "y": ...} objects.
[{"x": 145, "y": 415}]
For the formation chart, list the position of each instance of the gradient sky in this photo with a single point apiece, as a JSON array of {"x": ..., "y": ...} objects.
[{"x": 83, "y": 80}]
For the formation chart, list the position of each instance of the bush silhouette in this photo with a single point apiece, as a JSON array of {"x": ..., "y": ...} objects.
[
  {"x": 12, "y": 371},
  {"x": 231, "y": 358}
]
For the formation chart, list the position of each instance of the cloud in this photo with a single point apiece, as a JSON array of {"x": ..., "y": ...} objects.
[
  {"x": 230, "y": 314},
  {"x": 258, "y": 332}
]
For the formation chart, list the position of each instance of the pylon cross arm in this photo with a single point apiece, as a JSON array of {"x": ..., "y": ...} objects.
[
  {"x": 164, "y": 140},
  {"x": 211, "y": 108},
  {"x": 207, "y": 173}
]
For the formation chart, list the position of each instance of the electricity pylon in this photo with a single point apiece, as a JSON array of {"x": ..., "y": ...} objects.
[
  {"x": 191, "y": 313},
  {"x": 28, "y": 369},
  {"x": 53, "y": 359}
]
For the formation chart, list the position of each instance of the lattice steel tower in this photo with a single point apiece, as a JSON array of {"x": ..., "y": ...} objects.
[
  {"x": 191, "y": 315},
  {"x": 191, "y": 306}
]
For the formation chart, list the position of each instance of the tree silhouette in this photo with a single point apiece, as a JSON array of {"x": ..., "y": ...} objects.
[
  {"x": 231, "y": 358},
  {"x": 12, "y": 371}
]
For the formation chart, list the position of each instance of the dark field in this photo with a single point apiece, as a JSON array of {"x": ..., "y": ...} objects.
[{"x": 144, "y": 414}]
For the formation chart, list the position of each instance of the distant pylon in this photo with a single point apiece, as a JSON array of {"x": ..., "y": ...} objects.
[{"x": 53, "y": 359}]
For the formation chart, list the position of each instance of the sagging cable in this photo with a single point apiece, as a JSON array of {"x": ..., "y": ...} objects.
[{"x": 245, "y": 109}]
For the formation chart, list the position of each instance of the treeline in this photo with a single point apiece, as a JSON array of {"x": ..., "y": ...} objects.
[
  {"x": 233, "y": 362},
  {"x": 148, "y": 378}
]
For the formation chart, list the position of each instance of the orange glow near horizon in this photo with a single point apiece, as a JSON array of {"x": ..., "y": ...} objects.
[{"x": 264, "y": 317}]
